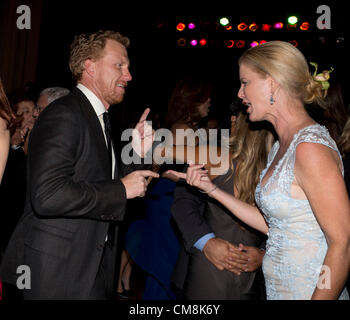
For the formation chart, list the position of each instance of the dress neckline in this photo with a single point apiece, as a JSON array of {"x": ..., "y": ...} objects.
[{"x": 280, "y": 160}]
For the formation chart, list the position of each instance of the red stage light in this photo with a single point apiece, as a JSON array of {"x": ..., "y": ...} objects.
[
  {"x": 294, "y": 43},
  {"x": 229, "y": 27},
  {"x": 180, "y": 27},
  {"x": 253, "y": 27},
  {"x": 203, "y": 42},
  {"x": 240, "y": 43},
  {"x": 242, "y": 26},
  {"x": 262, "y": 41},
  {"x": 266, "y": 27},
  {"x": 229, "y": 43},
  {"x": 305, "y": 26}
]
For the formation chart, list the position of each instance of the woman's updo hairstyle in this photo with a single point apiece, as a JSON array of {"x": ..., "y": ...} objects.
[{"x": 287, "y": 66}]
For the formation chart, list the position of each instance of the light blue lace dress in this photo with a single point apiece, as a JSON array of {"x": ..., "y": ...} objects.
[{"x": 296, "y": 246}]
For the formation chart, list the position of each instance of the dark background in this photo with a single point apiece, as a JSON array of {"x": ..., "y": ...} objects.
[{"x": 157, "y": 62}]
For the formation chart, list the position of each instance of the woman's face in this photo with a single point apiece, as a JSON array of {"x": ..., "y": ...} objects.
[
  {"x": 203, "y": 108},
  {"x": 25, "y": 109},
  {"x": 255, "y": 91}
]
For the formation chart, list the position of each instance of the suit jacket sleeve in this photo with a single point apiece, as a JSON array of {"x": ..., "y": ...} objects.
[
  {"x": 188, "y": 212},
  {"x": 58, "y": 183}
]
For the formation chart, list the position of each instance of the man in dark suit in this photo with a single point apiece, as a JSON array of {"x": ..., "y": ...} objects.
[
  {"x": 211, "y": 264},
  {"x": 77, "y": 189}
]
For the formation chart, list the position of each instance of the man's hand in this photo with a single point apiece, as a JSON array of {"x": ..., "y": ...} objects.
[
  {"x": 255, "y": 257},
  {"x": 135, "y": 183},
  {"x": 142, "y": 135},
  {"x": 224, "y": 255}
]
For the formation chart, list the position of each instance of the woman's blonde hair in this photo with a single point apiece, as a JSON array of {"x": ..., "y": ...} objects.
[
  {"x": 250, "y": 146},
  {"x": 288, "y": 67}
]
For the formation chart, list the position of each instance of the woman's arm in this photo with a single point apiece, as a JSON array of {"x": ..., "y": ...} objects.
[
  {"x": 4, "y": 146},
  {"x": 317, "y": 173},
  {"x": 249, "y": 214},
  {"x": 215, "y": 160}
]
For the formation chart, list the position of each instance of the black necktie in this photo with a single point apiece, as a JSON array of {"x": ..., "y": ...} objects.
[
  {"x": 111, "y": 228},
  {"x": 108, "y": 135}
]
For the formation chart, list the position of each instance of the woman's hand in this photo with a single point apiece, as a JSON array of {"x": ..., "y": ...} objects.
[{"x": 195, "y": 176}]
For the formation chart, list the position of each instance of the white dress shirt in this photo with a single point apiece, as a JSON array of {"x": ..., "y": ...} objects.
[{"x": 100, "y": 110}]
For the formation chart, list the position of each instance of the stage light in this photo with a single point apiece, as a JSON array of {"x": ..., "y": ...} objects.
[
  {"x": 224, "y": 21},
  {"x": 254, "y": 44},
  {"x": 292, "y": 20},
  {"x": 240, "y": 43},
  {"x": 253, "y": 27},
  {"x": 305, "y": 26},
  {"x": 242, "y": 26},
  {"x": 278, "y": 25},
  {"x": 229, "y": 43},
  {"x": 266, "y": 27},
  {"x": 294, "y": 43},
  {"x": 228, "y": 27},
  {"x": 203, "y": 42},
  {"x": 191, "y": 26},
  {"x": 291, "y": 26},
  {"x": 181, "y": 42},
  {"x": 180, "y": 26},
  {"x": 194, "y": 42},
  {"x": 262, "y": 41}
]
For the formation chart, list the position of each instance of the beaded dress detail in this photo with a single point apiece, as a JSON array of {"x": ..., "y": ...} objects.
[{"x": 296, "y": 246}]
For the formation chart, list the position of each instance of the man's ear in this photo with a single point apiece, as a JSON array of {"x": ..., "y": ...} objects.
[{"x": 89, "y": 67}]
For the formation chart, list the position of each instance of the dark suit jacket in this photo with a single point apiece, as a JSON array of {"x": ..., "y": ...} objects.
[
  {"x": 197, "y": 216},
  {"x": 71, "y": 200}
]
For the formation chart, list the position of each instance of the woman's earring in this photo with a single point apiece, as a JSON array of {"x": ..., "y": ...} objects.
[{"x": 272, "y": 100}]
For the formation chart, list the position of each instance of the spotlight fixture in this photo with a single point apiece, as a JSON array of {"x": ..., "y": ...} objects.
[
  {"x": 229, "y": 43},
  {"x": 191, "y": 26},
  {"x": 305, "y": 26},
  {"x": 242, "y": 26},
  {"x": 180, "y": 26},
  {"x": 203, "y": 42},
  {"x": 266, "y": 27},
  {"x": 253, "y": 27},
  {"x": 240, "y": 43},
  {"x": 181, "y": 42},
  {"x": 254, "y": 44},
  {"x": 224, "y": 21},
  {"x": 294, "y": 43},
  {"x": 194, "y": 42},
  {"x": 292, "y": 20},
  {"x": 278, "y": 25}
]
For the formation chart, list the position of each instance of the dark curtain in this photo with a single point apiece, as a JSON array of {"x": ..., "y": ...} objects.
[{"x": 18, "y": 48}]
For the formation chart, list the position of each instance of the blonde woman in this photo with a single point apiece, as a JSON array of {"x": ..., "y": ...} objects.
[
  {"x": 304, "y": 205},
  {"x": 6, "y": 120}
]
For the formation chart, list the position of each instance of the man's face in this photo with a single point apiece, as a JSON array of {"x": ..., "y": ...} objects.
[
  {"x": 41, "y": 104},
  {"x": 111, "y": 73}
]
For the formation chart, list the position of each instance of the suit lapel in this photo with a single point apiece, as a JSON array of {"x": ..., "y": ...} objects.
[{"x": 96, "y": 129}]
